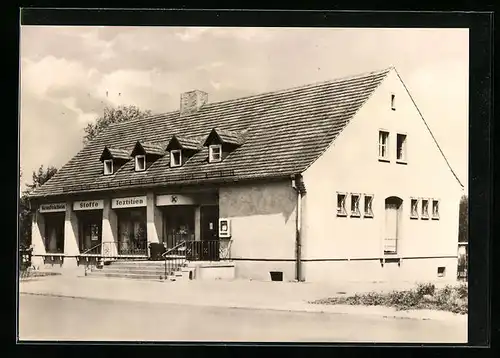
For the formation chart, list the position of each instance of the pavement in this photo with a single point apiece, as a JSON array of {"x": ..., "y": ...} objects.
[{"x": 243, "y": 294}]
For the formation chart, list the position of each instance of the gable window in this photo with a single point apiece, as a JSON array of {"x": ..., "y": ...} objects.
[
  {"x": 214, "y": 153},
  {"x": 414, "y": 208},
  {"x": 435, "y": 209},
  {"x": 425, "y": 208},
  {"x": 383, "y": 145},
  {"x": 355, "y": 205},
  {"x": 393, "y": 101},
  {"x": 108, "y": 167},
  {"x": 341, "y": 204},
  {"x": 401, "y": 148},
  {"x": 140, "y": 163},
  {"x": 368, "y": 212},
  {"x": 175, "y": 158}
]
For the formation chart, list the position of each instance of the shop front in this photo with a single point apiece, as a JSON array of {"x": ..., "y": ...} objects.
[
  {"x": 89, "y": 214},
  {"x": 132, "y": 225},
  {"x": 53, "y": 215}
]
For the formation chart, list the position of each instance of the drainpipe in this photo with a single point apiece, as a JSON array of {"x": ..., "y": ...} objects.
[{"x": 298, "y": 185}]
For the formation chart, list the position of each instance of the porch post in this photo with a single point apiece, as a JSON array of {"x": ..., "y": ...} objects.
[
  {"x": 37, "y": 241},
  {"x": 197, "y": 223},
  {"x": 71, "y": 249},
  {"x": 109, "y": 238},
  {"x": 154, "y": 220}
]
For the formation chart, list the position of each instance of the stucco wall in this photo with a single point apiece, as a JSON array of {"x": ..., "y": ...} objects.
[
  {"x": 351, "y": 165},
  {"x": 263, "y": 220}
]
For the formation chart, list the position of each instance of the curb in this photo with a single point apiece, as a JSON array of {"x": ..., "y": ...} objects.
[{"x": 330, "y": 309}]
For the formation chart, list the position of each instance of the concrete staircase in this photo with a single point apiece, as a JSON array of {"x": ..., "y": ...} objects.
[{"x": 141, "y": 270}]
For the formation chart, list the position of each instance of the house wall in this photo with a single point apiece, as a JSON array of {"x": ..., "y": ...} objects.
[
  {"x": 263, "y": 218},
  {"x": 351, "y": 165}
]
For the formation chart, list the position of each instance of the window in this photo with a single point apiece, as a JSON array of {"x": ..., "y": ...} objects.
[
  {"x": 355, "y": 205},
  {"x": 414, "y": 208},
  {"x": 341, "y": 204},
  {"x": 441, "y": 271},
  {"x": 383, "y": 145},
  {"x": 393, "y": 101},
  {"x": 215, "y": 153},
  {"x": 401, "y": 150},
  {"x": 368, "y": 212},
  {"x": 175, "y": 158},
  {"x": 435, "y": 209},
  {"x": 425, "y": 208},
  {"x": 140, "y": 163},
  {"x": 108, "y": 167}
]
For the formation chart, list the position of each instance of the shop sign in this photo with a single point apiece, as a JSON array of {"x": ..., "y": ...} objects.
[
  {"x": 174, "y": 199},
  {"x": 88, "y": 205},
  {"x": 52, "y": 208},
  {"x": 131, "y": 202}
]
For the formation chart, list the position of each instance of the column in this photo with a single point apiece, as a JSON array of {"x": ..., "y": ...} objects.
[
  {"x": 153, "y": 220},
  {"x": 37, "y": 238},
  {"x": 197, "y": 223},
  {"x": 109, "y": 241},
  {"x": 71, "y": 249}
]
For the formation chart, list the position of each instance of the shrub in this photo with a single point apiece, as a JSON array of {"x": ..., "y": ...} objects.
[{"x": 425, "y": 289}]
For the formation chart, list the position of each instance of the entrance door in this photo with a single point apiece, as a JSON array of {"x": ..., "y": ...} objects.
[
  {"x": 209, "y": 232},
  {"x": 178, "y": 224},
  {"x": 90, "y": 231},
  {"x": 393, "y": 207}
]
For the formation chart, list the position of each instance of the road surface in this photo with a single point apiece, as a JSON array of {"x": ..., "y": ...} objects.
[{"x": 58, "y": 318}]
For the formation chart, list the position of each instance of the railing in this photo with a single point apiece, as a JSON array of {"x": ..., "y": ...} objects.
[
  {"x": 94, "y": 250},
  {"x": 132, "y": 247},
  {"x": 174, "y": 258},
  {"x": 205, "y": 250}
]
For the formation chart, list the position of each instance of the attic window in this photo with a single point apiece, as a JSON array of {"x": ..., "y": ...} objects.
[
  {"x": 140, "y": 163},
  {"x": 175, "y": 158},
  {"x": 215, "y": 153},
  {"x": 108, "y": 167},
  {"x": 393, "y": 101}
]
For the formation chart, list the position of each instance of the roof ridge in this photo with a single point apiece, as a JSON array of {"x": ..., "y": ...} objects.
[{"x": 267, "y": 93}]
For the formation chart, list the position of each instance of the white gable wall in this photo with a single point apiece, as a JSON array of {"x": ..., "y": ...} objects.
[{"x": 351, "y": 165}]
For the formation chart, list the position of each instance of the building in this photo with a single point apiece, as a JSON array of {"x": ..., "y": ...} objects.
[{"x": 340, "y": 180}]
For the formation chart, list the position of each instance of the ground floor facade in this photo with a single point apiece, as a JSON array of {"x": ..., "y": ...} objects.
[{"x": 267, "y": 234}]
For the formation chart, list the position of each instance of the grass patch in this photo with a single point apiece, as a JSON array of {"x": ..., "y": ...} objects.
[{"x": 423, "y": 296}]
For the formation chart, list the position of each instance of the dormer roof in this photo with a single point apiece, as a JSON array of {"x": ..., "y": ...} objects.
[
  {"x": 225, "y": 136},
  {"x": 184, "y": 142},
  {"x": 148, "y": 148},
  {"x": 114, "y": 153}
]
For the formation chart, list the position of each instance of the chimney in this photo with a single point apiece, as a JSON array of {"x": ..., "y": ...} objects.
[{"x": 192, "y": 101}]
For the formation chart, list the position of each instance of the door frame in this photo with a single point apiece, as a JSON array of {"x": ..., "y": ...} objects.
[{"x": 399, "y": 215}]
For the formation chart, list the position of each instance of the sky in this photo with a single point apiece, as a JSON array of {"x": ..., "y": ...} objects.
[{"x": 69, "y": 74}]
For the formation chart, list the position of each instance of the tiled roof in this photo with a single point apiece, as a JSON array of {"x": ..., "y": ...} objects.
[
  {"x": 150, "y": 148},
  {"x": 115, "y": 153},
  {"x": 286, "y": 131}
]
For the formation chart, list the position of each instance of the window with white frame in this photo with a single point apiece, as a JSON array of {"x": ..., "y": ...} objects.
[
  {"x": 214, "y": 153},
  {"x": 140, "y": 163},
  {"x": 383, "y": 145},
  {"x": 425, "y": 208},
  {"x": 341, "y": 197},
  {"x": 401, "y": 147},
  {"x": 393, "y": 101},
  {"x": 355, "y": 205},
  {"x": 175, "y": 158},
  {"x": 368, "y": 201},
  {"x": 108, "y": 167},
  {"x": 435, "y": 209},
  {"x": 414, "y": 208}
]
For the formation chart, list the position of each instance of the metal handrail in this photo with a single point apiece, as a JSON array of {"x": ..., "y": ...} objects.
[
  {"x": 172, "y": 264},
  {"x": 173, "y": 248},
  {"x": 92, "y": 248}
]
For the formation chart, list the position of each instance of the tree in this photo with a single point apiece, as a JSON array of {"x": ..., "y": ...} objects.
[
  {"x": 40, "y": 177},
  {"x": 113, "y": 115},
  {"x": 463, "y": 220}
]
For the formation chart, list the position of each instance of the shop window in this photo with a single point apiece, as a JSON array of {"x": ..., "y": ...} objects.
[
  {"x": 368, "y": 202},
  {"x": 108, "y": 167},
  {"x": 355, "y": 205},
  {"x": 383, "y": 145},
  {"x": 341, "y": 197},
  {"x": 132, "y": 232},
  {"x": 215, "y": 153},
  {"x": 175, "y": 158},
  {"x": 140, "y": 163}
]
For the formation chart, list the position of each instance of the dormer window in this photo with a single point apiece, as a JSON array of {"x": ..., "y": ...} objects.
[
  {"x": 215, "y": 153},
  {"x": 140, "y": 163},
  {"x": 175, "y": 158},
  {"x": 108, "y": 167}
]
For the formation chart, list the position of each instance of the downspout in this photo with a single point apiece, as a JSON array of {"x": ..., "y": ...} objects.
[{"x": 298, "y": 185}]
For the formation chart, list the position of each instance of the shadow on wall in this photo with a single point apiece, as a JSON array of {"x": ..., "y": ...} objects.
[{"x": 262, "y": 199}]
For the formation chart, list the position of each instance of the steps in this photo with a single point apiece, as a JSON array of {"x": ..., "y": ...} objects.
[{"x": 140, "y": 270}]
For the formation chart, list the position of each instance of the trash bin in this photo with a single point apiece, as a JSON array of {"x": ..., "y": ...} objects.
[
  {"x": 156, "y": 250},
  {"x": 276, "y": 275}
]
